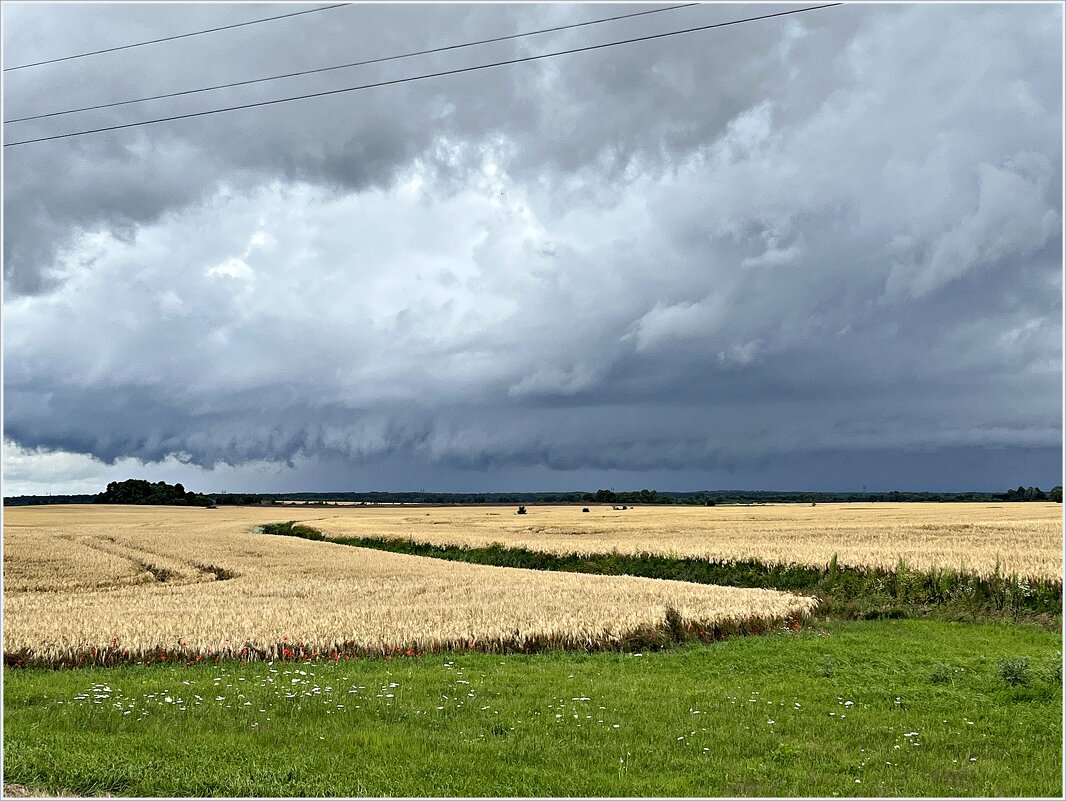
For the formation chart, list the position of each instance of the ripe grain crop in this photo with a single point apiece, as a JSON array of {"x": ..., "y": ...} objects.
[
  {"x": 203, "y": 583},
  {"x": 57, "y": 562},
  {"x": 1022, "y": 538}
]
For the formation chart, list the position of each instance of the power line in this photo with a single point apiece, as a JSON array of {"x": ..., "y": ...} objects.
[
  {"x": 177, "y": 36},
  {"x": 409, "y": 79},
  {"x": 352, "y": 64}
]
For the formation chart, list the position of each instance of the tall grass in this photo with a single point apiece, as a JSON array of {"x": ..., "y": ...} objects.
[
  {"x": 974, "y": 538},
  {"x": 845, "y": 591}
]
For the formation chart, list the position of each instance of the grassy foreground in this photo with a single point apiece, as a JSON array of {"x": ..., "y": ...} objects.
[{"x": 890, "y": 708}]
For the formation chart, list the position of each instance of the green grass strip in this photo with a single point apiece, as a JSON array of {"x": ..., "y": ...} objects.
[
  {"x": 844, "y": 592},
  {"x": 876, "y": 708}
]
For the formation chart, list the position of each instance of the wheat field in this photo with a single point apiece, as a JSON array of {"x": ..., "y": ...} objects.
[
  {"x": 138, "y": 581},
  {"x": 1025, "y": 538}
]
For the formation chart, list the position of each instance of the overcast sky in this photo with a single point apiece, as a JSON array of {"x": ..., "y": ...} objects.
[{"x": 814, "y": 252}]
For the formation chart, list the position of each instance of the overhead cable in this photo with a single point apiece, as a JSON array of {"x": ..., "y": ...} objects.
[
  {"x": 349, "y": 65},
  {"x": 176, "y": 36},
  {"x": 413, "y": 78}
]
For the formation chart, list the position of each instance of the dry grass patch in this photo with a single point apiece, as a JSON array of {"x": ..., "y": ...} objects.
[{"x": 283, "y": 591}]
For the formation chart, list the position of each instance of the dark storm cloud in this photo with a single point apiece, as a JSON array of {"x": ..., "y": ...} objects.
[
  {"x": 771, "y": 250},
  {"x": 606, "y": 109}
]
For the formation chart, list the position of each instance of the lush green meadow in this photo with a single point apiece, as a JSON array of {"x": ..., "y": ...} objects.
[{"x": 885, "y": 708}]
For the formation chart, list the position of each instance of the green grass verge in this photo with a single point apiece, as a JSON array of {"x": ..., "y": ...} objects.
[
  {"x": 843, "y": 592},
  {"x": 885, "y": 708}
]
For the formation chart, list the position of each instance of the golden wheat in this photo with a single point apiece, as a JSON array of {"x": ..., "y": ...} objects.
[
  {"x": 55, "y": 562},
  {"x": 1025, "y": 538},
  {"x": 285, "y": 590}
]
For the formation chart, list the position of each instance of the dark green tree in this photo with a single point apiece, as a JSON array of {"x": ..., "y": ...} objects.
[{"x": 141, "y": 492}]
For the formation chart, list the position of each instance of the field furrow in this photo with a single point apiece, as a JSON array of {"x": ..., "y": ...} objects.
[{"x": 286, "y": 593}]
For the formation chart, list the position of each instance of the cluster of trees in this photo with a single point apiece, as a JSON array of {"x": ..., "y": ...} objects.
[
  {"x": 1032, "y": 494},
  {"x": 138, "y": 491}
]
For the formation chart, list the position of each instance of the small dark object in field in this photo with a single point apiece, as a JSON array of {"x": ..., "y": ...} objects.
[
  {"x": 521, "y": 510},
  {"x": 585, "y": 509}
]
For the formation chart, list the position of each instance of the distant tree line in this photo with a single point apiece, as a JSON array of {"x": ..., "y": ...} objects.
[
  {"x": 42, "y": 500},
  {"x": 713, "y": 497},
  {"x": 1032, "y": 494},
  {"x": 238, "y": 499},
  {"x": 637, "y": 497},
  {"x": 137, "y": 491}
]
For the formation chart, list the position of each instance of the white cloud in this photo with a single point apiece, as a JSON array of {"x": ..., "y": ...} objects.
[
  {"x": 37, "y": 472},
  {"x": 1013, "y": 219},
  {"x": 741, "y": 352},
  {"x": 773, "y": 257},
  {"x": 664, "y": 324},
  {"x": 232, "y": 267}
]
